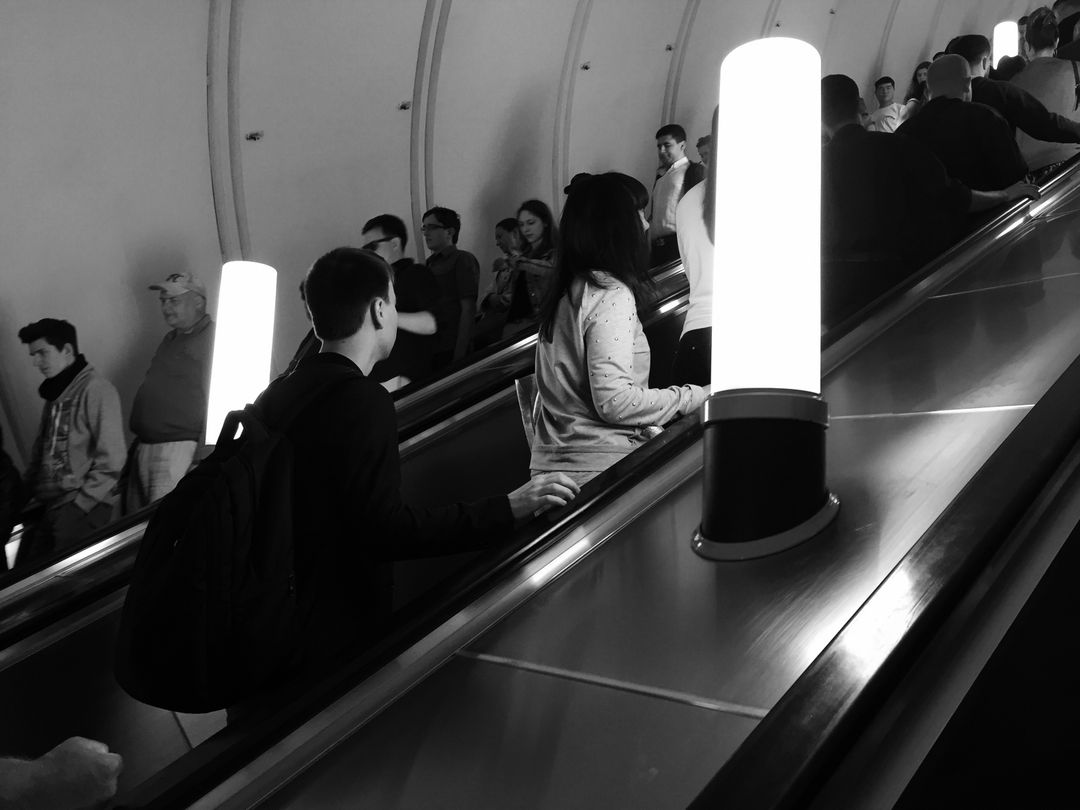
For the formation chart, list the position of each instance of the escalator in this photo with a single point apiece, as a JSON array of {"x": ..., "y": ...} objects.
[
  {"x": 612, "y": 667},
  {"x": 460, "y": 438}
]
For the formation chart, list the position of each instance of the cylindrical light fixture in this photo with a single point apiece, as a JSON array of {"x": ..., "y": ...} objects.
[
  {"x": 765, "y": 422},
  {"x": 1006, "y": 40},
  {"x": 243, "y": 340}
]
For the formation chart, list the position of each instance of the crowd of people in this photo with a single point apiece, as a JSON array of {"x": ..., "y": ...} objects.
[
  {"x": 903, "y": 183},
  {"x": 900, "y": 184},
  {"x": 82, "y": 474}
]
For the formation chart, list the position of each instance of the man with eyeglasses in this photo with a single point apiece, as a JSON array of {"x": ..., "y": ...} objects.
[
  {"x": 458, "y": 275},
  {"x": 417, "y": 303},
  {"x": 168, "y": 416}
]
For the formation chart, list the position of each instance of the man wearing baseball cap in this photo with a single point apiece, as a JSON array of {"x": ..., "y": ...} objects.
[{"x": 168, "y": 416}]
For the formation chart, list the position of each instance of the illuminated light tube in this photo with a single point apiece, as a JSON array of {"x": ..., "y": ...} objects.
[
  {"x": 764, "y": 439},
  {"x": 243, "y": 338},
  {"x": 1006, "y": 40}
]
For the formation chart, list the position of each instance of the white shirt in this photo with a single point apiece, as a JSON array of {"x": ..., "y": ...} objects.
[
  {"x": 886, "y": 119},
  {"x": 697, "y": 258},
  {"x": 665, "y": 198}
]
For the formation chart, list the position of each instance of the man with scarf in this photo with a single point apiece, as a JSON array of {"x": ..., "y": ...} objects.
[{"x": 79, "y": 450}]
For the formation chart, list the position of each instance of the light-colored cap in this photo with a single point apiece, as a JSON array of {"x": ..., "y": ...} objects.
[{"x": 180, "y": 283}]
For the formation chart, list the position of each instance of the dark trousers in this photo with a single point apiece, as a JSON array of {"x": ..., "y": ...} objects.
[
  {"x": 665, "y": 249},
  {"x": 693, "y": 359},
  {"x": 61, "y": 528}
]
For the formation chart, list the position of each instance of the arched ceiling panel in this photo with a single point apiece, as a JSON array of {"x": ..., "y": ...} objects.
[
  {"x": 617, "y": 101},
  {"x": 855, "y": 47},
  {"x": 495, "y": 112},
  {"x": 322, "y": 83},
  {"x": 718, "y": 28},
  {"x": 808, "y": 20},
  {"x": 105, "y": 181}
]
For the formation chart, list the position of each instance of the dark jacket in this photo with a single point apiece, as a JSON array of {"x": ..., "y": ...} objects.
[
  {"x": 351, "y": 523},
  {"x": 972, "y": 141},
  {"x": 887, "y": 196},
  {"x": 11, "y": 498},
  {"x": 1023, "y": 111}
]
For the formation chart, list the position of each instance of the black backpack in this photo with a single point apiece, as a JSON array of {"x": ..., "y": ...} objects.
[{"x": 212, "y": 614}]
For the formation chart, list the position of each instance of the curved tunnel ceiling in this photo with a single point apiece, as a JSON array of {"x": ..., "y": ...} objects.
[{"x": 161, "y": 136}]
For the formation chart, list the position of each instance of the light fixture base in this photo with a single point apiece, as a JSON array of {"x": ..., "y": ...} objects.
[
  {"x": 773, "y": 544},
  {"x": 764, "y": 473}
]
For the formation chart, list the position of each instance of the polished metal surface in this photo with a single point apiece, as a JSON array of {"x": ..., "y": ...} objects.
[
  {"x": 334, "y": 725},
  {"x": 648, "y": 610},
  {"x": 917, "y": 411},
  {"x": 53, "y": 694},
  {"x": 516, "y": 739}
]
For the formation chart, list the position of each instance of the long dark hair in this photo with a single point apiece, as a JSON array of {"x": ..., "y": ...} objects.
[
  {"x": 600, "y": 231},
  {"x": 551, "y": 232},
  {"x": 916, "y": 88}
]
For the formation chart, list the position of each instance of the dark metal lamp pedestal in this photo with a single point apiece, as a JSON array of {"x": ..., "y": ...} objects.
[{"x": 764, "y": 475}]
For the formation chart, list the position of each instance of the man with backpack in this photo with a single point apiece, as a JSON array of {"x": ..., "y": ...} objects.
[{"x": 310, "y": 577}]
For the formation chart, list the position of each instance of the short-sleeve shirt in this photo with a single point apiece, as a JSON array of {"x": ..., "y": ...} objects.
[
  {"x": 416, "y": 291},
  {"x": 458, "y": 275},
  {"x": 886, "y": 119}
]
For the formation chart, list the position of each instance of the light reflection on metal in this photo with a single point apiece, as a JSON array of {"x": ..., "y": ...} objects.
[
  {"x": 947, "y": 412},
  {"x": 878, "y": 628},
  {"x": 559, "y": 563},
  {"x": 670, "y": 305}
]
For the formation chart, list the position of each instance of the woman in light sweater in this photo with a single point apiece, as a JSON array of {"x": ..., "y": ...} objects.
[
  {"x": 592, "y": 357},
  {"x": 694, "y": 230}
]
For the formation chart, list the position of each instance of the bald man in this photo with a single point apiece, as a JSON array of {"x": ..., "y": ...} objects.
[{"x": 973, "y": 142}]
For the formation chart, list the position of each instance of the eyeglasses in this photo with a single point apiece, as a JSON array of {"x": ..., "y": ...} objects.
[
  {"x": 371, "y": 245},
  {"x": 426, "y": 228}
]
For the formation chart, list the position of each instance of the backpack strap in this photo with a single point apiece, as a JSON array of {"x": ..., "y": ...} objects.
[{"x": 251, "y": 416}]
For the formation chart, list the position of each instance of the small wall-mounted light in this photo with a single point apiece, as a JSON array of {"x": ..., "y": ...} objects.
[
  {"x": 764, "y": 444},
  {"x": 255, "y": 136},
  {"x": 405, "y": 105},
  {"x": 243, "y": 340},
  {"x": 586, "y": 65}
]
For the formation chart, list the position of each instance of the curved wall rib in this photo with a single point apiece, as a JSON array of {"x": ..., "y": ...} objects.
[
  {"x": 432, "y": 99},
  {"x": 560, "y": 172},
  {"x": 217, "y": 127},
  {"x": 418, "y": 161},
  {"x": 236, "y": 157},
  {"x": 678, "y": 59}
]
